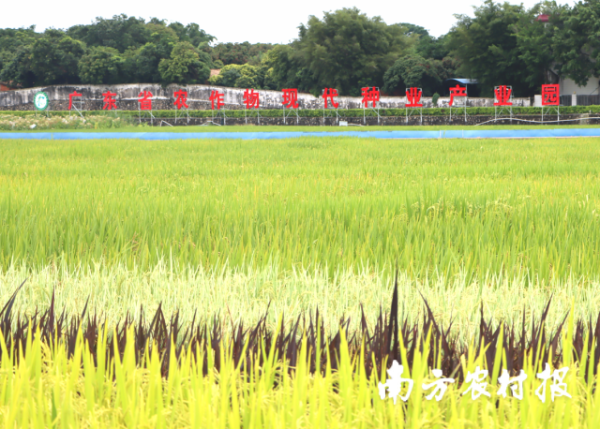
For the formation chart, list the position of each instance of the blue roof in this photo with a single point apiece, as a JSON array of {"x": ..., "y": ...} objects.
[{"x": 463, "y": 81}]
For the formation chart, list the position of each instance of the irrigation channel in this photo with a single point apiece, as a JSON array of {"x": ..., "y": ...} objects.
[{"x": 436, "y": 134}]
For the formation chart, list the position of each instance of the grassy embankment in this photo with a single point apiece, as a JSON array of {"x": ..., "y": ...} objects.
[
  {"x": 299, "y": 128},
  {"x": 31, "y": 121},
  {"x": 309, "y": 113}
]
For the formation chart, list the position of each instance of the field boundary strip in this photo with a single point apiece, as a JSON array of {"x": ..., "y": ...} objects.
[{"x": 277, "y": 135}]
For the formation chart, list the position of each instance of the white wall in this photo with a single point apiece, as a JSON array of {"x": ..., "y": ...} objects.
[
  {"x": 568, "y": 87},
  {"x": 198, "y": 96}
]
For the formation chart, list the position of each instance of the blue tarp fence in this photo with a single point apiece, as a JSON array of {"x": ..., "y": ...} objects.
[{"x": 442, "y": 134}]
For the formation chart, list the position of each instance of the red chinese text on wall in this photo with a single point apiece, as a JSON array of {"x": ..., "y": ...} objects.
[
  {"x": 329, "y": 94},
  {"x": 73, "y": 94},
  {"x": 290, "y": 98},
  {"x": 216, "y": 98},
  {"x": 370, "y": 94},
  {"x": 181, "y": 99},
  {"x": 457, "y": 91},
  {"x": 145, "y": 100},
  {"x": 503, "y": 93},
  {"x": 413, "y": 96},
  {"x": 109, "y": 100},
  {"x": 251, "y": 99},
  {"x": 550, "y": 95}
]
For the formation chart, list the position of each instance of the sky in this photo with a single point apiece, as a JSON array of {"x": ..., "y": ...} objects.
[{"x": 264, "y": 21}]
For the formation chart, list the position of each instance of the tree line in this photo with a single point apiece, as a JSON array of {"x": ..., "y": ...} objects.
[{"x": 345, "y": 49}]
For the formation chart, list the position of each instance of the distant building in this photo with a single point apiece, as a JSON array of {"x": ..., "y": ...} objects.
[
  {"x": 5, "y": 86},
  {"x": 471, "y": 84},
  {"x": 591, "y": 90}
]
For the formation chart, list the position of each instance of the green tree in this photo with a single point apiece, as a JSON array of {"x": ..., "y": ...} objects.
[
  {"x": 347, "y": 50},
  {"x": 238, "y": 76},
  {"x": 5, "y": 58},
  {"x": 249, "y": 77},
  {"x": 414, "y": 71},
  {"x": 413, "y": 29},
  {"x": 18, "y": 68},
  {"x": 191, "y": 33},
  {"x": 282, "y": 68},
  {"x": 535, "y": 42},
  {"x": 487, "y": 49},
  {"x": 119, "y": 32},
  {"x": 576, "y": 40},
  {"x": 227, "y": 76},
  {"x": 141, "y": 64},
  {"x": 11, "y": 40},
  {"x": 432, "y": 47},
  {"x": 163, "y": 37},
  {"x": 101, "y": 65},
  {"x": 425, "y": 44},
  {"x": 55, "y": 58},
  {"x": 239, "y": 53},
  {"x": 119, "y": 49},
  {"x": 184, "y": 66}
]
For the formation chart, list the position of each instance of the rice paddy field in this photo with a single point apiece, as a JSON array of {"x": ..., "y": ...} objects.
[{"x": 230, "y": 283}]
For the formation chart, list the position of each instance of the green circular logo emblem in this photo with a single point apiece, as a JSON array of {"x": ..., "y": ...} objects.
[{"x": 41, "y": 101}]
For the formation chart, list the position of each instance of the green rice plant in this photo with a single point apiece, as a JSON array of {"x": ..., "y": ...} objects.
[{"x": 435, "y": 209}]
